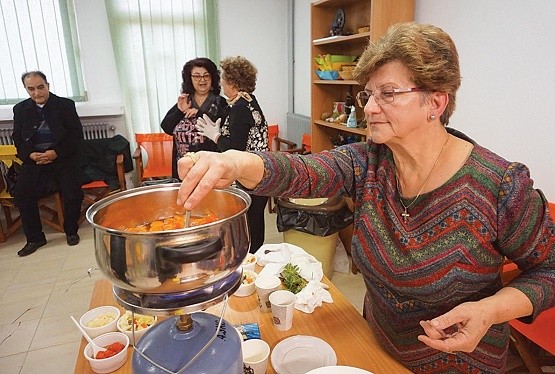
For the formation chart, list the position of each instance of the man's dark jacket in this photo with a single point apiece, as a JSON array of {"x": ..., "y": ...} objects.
[{"x": 62, "y": 118}]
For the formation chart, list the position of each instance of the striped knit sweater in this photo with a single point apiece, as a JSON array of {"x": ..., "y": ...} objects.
[{"x": 450, "y": 251}]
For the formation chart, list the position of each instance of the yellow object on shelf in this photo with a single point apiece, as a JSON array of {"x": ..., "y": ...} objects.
[
  {"x": 333, "y": 62},
  {"x": 346, "y": 75},
  {"x": 362, "y": 29}
]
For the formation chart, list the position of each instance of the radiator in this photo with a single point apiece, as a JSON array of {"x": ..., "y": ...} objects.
[
  {"x": 6, "y": 136},
  {"x": 297, "y": 125},
  {"x": 90, "y": 131},
  {"x": 98, "y": 130}
]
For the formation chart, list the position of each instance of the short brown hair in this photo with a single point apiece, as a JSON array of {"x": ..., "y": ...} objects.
[
  {"x": 426, "y": 51},
  {"x": 239, "y": 72}
]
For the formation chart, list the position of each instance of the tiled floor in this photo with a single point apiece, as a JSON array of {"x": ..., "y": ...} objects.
[{"x": 39, "y": 292}]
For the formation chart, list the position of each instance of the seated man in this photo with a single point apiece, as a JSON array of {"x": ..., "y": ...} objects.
[{"x": 48, "y": 136}]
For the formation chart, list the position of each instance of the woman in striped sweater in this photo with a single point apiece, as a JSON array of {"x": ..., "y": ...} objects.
[{"x": 435, "y": 213}]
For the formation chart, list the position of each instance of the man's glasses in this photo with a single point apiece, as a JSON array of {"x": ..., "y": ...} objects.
[
  {"x": 198, "y": 77},
  {"x": 383, "y": 95}
]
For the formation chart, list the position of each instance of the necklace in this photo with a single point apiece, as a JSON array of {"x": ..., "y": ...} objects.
[{"x": 405, "y": 213}]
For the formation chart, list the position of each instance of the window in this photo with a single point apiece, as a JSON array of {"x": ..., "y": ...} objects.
[
  {"x": 152, "y": 40},
  {"x": 39, "y": 35}
]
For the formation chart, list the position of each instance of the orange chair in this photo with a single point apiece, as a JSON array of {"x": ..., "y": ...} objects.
[
  {"x": 98, "y": 189},
  {"x": 535, "y": 342},
  {"x": 158, "y": 149}
]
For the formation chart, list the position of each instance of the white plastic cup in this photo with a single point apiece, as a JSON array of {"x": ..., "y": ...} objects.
[
  {"x": 265, "y": 285},
  {"x": 283, "y": 304},
  {"x": 255, "y": 355}
]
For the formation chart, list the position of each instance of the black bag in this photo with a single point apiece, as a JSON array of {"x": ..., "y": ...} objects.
[{"x": 11, "y": 177}]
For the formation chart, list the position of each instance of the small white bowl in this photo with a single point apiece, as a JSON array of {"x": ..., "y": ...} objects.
[
  {"x": 107, "y": 365},
  {"x": 246, "y": 289},
  {"x": 249, "y": 262},
  {"x": 138, "y": 333},
  {"x": 93, "y": 332}
]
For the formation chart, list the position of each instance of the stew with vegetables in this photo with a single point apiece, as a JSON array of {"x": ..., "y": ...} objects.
[{"x": 174, "y": 222}]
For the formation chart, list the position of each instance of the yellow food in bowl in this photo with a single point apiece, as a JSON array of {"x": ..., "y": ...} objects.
[
  {"x": 141, "y": 322},
  {"x": 102, "y": 320}
]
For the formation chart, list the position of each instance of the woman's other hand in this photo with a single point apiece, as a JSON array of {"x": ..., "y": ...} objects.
[
  {"x": 462, "y": 328},
  {"x": 202, "y": 171},
  {"x": 459, "y": 330},
  {"x": 191, "y": 112},
  {"x": 183, "y": 103}
]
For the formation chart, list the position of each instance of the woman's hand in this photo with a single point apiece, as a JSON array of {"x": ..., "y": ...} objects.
[
  {"x": 191, "y": 112},
  {"x": 470, "y": 322},
  {"x": 183, "y": 103},
  {"x": 202, "y": 171}
]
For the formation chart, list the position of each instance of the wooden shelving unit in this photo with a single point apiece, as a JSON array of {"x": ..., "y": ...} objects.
[{"x": 378, "y": 15}]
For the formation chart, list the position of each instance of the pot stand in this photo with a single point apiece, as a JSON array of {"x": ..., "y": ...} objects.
[{"x": 179, "y": 302}]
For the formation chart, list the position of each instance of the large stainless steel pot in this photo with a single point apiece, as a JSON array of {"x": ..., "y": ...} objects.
[{"x": 168, "y": 261}]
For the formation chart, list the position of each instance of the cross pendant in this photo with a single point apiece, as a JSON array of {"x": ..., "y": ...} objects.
[{"x": 405, "y": 215}]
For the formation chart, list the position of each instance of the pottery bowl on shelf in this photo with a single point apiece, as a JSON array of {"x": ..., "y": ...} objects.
[
  {"x": 327, "y": 74},
  {"x": 346, "y": 75}
]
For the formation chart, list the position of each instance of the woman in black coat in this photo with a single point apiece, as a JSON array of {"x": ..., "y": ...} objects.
[{"x": 200, "y": 94}]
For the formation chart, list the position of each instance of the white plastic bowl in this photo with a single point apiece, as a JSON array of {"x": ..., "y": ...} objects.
[
  {"x": 107, "y": 365},
  {"x": 138, "y": 333},
  {"x": 93, "y": 332},
  {"x": 247, "y": 289},
  {"x": 249, "y": 262}
]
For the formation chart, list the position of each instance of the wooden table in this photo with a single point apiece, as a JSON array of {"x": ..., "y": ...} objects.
[{"x": 338, "y": 323}]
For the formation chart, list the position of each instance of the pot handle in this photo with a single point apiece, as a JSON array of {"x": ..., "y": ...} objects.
[{"x": 203, "y": 250}]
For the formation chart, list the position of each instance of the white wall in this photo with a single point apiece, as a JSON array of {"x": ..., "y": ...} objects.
[
  {"x": 303, "y": 65},
  {"x": 257, "y": 30},
  {"x": 507, "y": 98}
]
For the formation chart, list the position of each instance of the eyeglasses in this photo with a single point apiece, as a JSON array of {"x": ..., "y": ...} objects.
[
  {"x": 383, "y": 95},
  {"x": 198, "y": 77}
]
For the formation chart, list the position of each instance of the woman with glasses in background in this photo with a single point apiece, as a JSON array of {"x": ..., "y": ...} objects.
[
  {"x": 200, "y": 95},
  {"x": 435, "y": 214}
]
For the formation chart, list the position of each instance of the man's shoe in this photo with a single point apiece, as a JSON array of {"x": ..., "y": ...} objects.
[
  {"x": 72, "y": 239},
  {"x": 30, "y": 247}
]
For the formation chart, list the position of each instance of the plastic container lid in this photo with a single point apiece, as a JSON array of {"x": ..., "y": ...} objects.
[{"x": 313, "y": 205}]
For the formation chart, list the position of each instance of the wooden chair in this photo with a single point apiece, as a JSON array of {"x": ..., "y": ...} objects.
[
  {"x": 288, "y": 146},
  {"x": 157, "y": 148},
  {"x": 50, "y": 206},
  {"x": 534, "y": 342}
]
